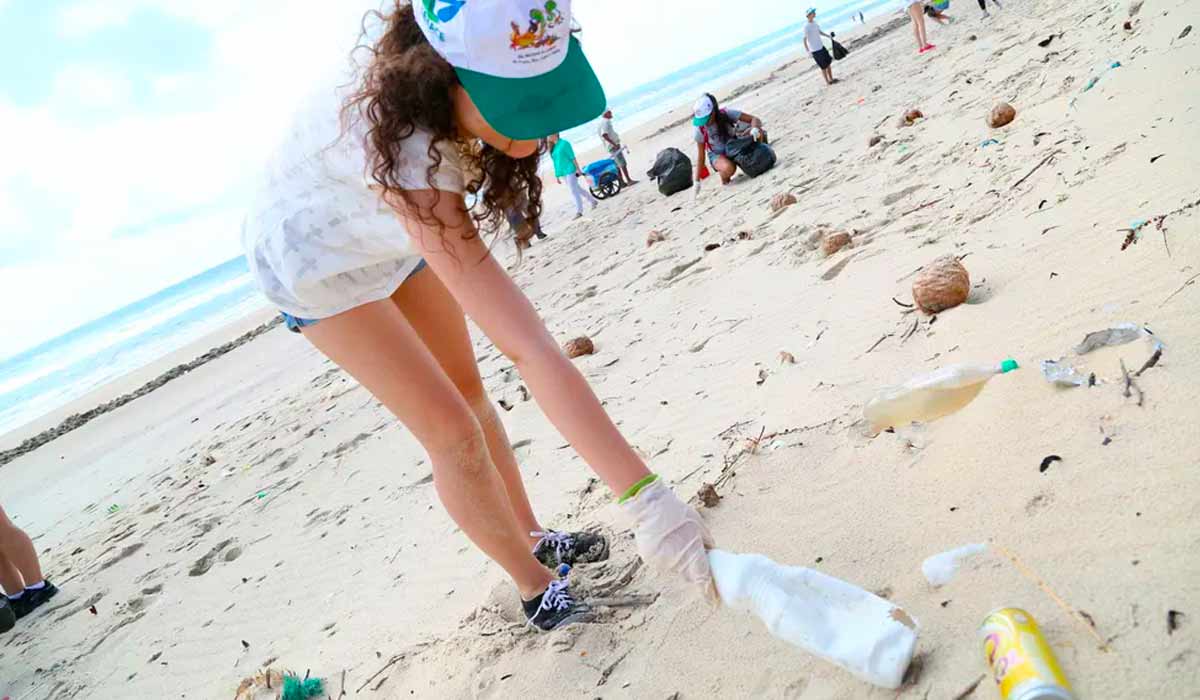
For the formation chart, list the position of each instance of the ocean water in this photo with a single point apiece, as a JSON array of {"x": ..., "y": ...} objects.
[{"x": 43, "y": 378}]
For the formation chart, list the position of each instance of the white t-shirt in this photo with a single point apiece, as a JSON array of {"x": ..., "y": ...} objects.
[
  {"x": 812, "y": 37},
  {"x": 319, "y": 241},
  {"x": 606, "y": 129}
]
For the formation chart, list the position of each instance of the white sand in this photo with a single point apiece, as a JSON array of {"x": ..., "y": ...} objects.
[{"x": 348, "y": 561}]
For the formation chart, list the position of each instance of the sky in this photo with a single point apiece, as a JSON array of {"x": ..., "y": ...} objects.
[{"x": 131, "y": 130}]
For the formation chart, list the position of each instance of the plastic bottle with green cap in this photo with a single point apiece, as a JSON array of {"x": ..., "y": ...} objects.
[{"x": 931, "y": 396}]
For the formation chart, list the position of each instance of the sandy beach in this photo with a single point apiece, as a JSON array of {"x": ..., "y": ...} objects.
[{"x": 262, "y": 510}]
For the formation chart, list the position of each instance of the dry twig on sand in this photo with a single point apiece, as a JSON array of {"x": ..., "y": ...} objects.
[
  {"x": 1130, "y": 384},
  {"x": 1035, "y": 168}
]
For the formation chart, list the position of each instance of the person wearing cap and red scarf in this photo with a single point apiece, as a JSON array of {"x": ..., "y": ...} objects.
[
  {"x": 360, "y": 235},
  {"x": 713, "y": 128}
]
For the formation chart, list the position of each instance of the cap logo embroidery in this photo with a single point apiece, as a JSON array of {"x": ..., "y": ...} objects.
[
  {"x": 434, "y": 16},
  {"x": 537, "y": 35}
]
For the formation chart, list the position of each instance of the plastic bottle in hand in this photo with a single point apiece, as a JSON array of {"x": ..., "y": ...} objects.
[
  {"x": 932, "y": 395},
  {"x": 825, "y": 616}
]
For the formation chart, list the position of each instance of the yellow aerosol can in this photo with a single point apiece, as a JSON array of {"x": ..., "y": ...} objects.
[{"x": 1022, "y": 664}]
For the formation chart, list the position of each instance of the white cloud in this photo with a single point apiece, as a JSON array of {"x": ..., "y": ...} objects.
[
  {"x": 107, "y": 171},
  {"x": 89, "y": 87},
  {"x": 91, "y": 16}
]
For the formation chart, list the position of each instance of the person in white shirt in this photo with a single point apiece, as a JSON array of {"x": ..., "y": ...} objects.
[
  {"x": 360, "y": 234},
  {"x": 814, "y": 45},
  {"x": 612, "y": 142}
]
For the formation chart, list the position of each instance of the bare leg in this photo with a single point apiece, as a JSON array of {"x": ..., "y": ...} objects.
[
  {"x": 10, "y": 578},
  {"x": 725, "y": 168},
  {"x": 18, "y": 550},
  {"x": 378, "y": 346},
  {"x": 438, "y": 320},
  {"x": 915, "y": 12}
]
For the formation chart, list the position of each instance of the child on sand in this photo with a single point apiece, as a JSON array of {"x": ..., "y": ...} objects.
[
  {"x": 25, "y": 588},
  {"x": 713, "y": 128},
  {"x": 360, "y": 235}
]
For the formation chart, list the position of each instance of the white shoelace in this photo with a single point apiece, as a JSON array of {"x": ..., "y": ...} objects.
[
  {"x": 556, "y": 597},
  {"x": 561, "y": 541}
]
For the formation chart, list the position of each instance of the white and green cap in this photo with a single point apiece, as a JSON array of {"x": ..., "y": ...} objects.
[{"x": 517, "y": 60}]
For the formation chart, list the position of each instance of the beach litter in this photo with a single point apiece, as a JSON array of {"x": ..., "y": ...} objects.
[
  {"x": 940, "y": 568},
  {"x": 942, "y": 284},
  {"x": 1001, "y": 115},
  {"x": 852, "y": 628},
  {"x": 1061, "y": 374},
  {"x": 989, "y": 142},
  {"x": 833, "y": 242},
  {"x": 1091, "y": 83},
  {"x": 708, "y": 495},
  {"x": 269, "y": 684},
  {"x": 910, "y": 117},
  {"x": 1117, "y": 335},
  {"x": 782, "y": 200},
  {"x": 1186, "y": 30},
  {"x": 655, "y": 236},
  {"x": 578, "y": 347}
]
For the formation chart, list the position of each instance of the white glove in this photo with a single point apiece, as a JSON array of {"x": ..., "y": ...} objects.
[
  {"x": 755, "y": 133},
  {"x": 671, "y": 536},
  {"x": 696, "y": 190}
]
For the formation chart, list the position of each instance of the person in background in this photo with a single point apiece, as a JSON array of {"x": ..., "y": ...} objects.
[
  {"x": 862, "y": 19},
  {"x": 916, "y": 12},
  {"x": 983, "y": 6},
  {"x": 565, "y": 166},
  {"x": 713, "y": 128},
  {"x": 812, "y": 42},
  {"x": 523, "y": 228},
  {"x": 934, "y": 13},
  {"x": 613, "y": 143},
  {"x": 20, "y": 572}
]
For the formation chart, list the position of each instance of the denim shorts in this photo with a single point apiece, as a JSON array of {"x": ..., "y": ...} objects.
[{"x": 294, "y": 324}]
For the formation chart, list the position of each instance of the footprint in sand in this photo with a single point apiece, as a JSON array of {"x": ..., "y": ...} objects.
[{"x": 204, "y": 563}]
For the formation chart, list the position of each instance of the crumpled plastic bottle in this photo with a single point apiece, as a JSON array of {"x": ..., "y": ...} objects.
[{"x": 825, "y": 616}]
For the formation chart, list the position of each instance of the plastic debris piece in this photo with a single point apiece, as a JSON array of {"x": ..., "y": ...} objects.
[
  {"x": 1062, "y": 375},
  {"x": 1117, "y": 335},
  {"x": 939, "y": 569}
]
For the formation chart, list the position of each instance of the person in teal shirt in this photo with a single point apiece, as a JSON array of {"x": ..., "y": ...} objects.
[{"x": 565, "y": 166}]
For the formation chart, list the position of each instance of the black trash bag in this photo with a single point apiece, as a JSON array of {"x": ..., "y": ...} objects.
[
  {"x": 673, "y": 170},
  {"x": 752, "y": 157},
  {"x": 839, "y": 51}
]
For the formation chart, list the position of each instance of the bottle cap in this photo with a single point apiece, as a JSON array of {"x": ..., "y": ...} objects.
[{"x": 1008, "y": 365}]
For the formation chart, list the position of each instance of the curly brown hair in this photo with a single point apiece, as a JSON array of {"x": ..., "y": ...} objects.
[{"x": 404, "y": 85}]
